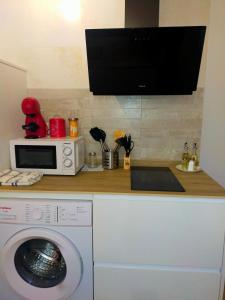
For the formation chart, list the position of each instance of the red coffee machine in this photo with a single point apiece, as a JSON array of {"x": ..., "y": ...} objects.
[{"x": 35, "y": 125}]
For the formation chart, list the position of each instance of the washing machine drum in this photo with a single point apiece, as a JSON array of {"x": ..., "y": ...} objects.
[{"x": 42, "y": 264}]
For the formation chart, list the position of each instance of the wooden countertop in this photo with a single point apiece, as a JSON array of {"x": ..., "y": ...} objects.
[{"x": 118, "y": 182}]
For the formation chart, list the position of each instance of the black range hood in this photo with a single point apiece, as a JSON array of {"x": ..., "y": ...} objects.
[{"x": 144, "y": 61}]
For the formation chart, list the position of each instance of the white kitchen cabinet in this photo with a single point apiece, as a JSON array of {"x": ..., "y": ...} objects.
[
  {"x": 124, "y": 283},
  {"x": 149, "y": 247}
]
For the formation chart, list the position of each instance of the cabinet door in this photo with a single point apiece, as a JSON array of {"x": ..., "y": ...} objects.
[
  {"x": 159, "y": 231},
  {"x": 116, "y": 283}
]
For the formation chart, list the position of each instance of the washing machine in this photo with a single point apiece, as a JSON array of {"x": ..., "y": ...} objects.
[{"x": 46, "y": 249}]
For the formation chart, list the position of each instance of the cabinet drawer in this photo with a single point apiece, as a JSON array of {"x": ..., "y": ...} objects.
[
  {"x": 131, "y": 284},
  {"x": 157, "y": 232}
]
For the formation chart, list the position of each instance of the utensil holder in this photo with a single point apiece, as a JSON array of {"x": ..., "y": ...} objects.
[
  {"x": 126, "y": 162},
  {"x": 110, "y": 159}
]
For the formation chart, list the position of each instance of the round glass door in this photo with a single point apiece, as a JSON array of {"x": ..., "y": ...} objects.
[{"x": 40, "y": 263}]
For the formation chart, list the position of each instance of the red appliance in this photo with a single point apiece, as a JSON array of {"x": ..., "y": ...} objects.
[
  {"x": 57, "y": 127},
  {"x": 35, "y": 125}
]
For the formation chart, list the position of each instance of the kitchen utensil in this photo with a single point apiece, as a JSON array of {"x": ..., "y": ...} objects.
[
  {"x": 130, "y": 145},
  {"x": 57, "y": 127},
  {"x": 119, "y": 143},
  {"x": 118, "y": 134},
  {"x": 99, "y": 135},
  {"x": 127, "y": 143},
  {"x": 103, "y": 137},
  {"x": 94, "y": 132}
]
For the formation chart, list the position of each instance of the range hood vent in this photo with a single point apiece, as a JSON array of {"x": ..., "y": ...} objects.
[
  {"x": 144, "y": 61},
  {"x": 141, "y": 13}
]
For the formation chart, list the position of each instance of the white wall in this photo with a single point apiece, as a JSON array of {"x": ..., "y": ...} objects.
[
  {"x": 12, "y": 91},
  {"x": 36, "y": 34},
  {"x": 213, "y": 133},
  {"x": 187, "y": 13}
]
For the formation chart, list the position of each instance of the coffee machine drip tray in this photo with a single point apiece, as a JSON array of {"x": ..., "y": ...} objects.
[{"x": 154, "y": 179}]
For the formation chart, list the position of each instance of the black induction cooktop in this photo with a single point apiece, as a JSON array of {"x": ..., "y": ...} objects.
[{"x": 154, "y": 179}]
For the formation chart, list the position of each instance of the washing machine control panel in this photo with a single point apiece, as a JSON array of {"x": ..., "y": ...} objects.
[
  {"x": 52, "y": 212},
  {"x": 40, "y": 213}
]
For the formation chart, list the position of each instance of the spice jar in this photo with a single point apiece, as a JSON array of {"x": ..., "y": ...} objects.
[
  {"x": 92, "y": 160},
  {"x": 73, "y": 127}
]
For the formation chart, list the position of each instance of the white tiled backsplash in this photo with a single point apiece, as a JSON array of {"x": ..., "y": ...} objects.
[{"x": 159, "y": 125}]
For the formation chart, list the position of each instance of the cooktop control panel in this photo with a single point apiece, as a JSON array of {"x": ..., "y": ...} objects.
[{"x": 52, "y": 212}]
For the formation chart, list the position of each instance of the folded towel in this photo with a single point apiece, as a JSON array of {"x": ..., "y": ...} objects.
[{"x": 9, "y": 177}]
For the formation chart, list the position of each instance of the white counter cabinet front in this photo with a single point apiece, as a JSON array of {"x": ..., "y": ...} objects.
[{"x": 158, "y": 247}]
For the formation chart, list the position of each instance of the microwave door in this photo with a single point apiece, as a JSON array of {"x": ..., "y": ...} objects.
[{"x": 35, "y": 157}]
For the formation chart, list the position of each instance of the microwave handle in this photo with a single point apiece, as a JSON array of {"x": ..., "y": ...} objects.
[{"x": 79, "y": 154}]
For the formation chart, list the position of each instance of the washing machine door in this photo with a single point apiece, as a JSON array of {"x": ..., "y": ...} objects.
[{"x": 40, "y": 263}]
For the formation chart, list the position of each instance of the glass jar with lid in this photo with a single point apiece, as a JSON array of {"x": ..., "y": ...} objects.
[{"x": 92, "y": 160}]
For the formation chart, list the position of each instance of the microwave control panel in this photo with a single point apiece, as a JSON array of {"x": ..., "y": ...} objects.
[{"x": 68, "y": 155}]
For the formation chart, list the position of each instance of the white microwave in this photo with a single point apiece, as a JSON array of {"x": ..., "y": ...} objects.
[{"x": 63, "y": 156}]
